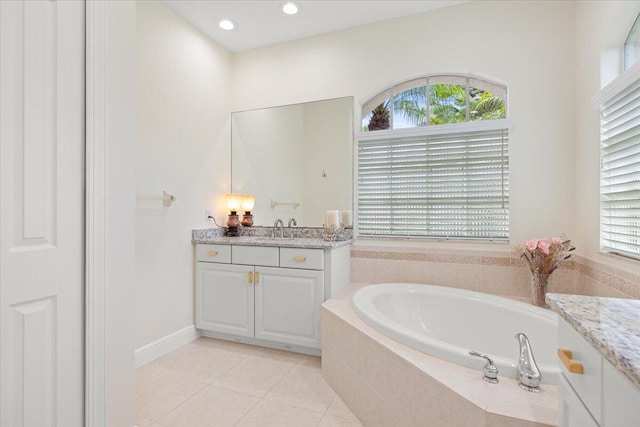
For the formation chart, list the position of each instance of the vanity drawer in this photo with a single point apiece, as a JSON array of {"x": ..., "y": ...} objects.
[
  {"x": 255, "y": 255},
  {"x": 588, "y": 385},
  {"x": 213, "y": 253},
  {"x": 308, "y": 259}
]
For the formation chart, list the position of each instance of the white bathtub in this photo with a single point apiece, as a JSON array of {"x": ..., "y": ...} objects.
[{"x": 448, "y": 322}]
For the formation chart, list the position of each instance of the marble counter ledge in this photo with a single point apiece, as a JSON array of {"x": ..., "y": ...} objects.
[
  {"x": 212, "y": 236},
  {"x": 610, "y": 325}
]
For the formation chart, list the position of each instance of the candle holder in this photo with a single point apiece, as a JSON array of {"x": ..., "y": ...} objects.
[
  {"x": 334, "y": 233},
  {"x": 247, "y": 219},
  {"x": 232, "y": 225}
]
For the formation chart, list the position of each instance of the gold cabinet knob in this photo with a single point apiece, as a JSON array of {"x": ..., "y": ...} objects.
[
  {"x": 212, "y": 253},
  {"x": 250, "y": 277},
  {"x": 257, "y": 277},
  {"x": 300, "y": 258},
  {"x": 567, "y": 359}
]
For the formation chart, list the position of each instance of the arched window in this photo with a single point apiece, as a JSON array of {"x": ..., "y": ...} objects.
[
  {"x": 434, "y": 100},
  {"x": 433, "y": 160}
]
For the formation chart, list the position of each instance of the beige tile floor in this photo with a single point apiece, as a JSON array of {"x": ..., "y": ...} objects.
[{"x": 211, "y": 383}]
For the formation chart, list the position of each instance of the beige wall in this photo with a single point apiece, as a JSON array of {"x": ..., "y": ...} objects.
[
  {"x": 529, "y": 46},
  {"x": 547, "y": 53},
  {"x": 553, "y": 56},
  {"x": 183, "y": 115}
]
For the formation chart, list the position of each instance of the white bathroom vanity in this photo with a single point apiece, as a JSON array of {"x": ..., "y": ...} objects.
[
  {"x": 267, "y": 291},
  {"x": 599, "y": 352}
]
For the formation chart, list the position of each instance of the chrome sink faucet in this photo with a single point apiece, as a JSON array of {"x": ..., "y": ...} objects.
[
  {"x": 528, "y": 373},
  {"x": 292, "y": 222},
  {"x": 278, "y": 222}
]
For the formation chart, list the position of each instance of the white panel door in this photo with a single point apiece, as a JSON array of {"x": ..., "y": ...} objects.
[
  {"x": 288, "y": 305},
  {"x": 224, "y": 298},
  {"x": 42, "y": 213}
]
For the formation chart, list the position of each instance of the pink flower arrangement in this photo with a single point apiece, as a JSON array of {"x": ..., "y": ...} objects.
[{"x": 545, "y": 255}]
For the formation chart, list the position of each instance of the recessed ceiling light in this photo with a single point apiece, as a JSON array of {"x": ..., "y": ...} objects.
[
  {"x": 227, "y": 24},
  {"x": 290, "y": 8}
]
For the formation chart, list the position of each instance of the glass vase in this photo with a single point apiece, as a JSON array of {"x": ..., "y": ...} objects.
[{"x": 539, "y": 283}]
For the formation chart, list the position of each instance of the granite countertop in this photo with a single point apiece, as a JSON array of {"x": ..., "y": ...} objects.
[
  {"x": 308, "y": 240},
  {"x": 611, "y": 325}
]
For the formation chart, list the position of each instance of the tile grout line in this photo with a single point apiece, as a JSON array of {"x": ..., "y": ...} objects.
[
  {"x": 248, "y": 412},
  {"x": 299, "y": 362},
  {"x": 157, "y": 420},
  {"x": 329, "y": 406}
]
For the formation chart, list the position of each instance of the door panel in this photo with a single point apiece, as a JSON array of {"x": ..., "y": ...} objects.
[
  {"x": 573, "y": 413},
  {"x": 287, "y": 304},
  {"x": 42, "y": 213},
  {"x": 225, "y": 298}
]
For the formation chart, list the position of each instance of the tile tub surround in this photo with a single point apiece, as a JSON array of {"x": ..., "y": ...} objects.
[
  {"x": 610, "y": 325},
  {"x": 597, "y": 279},
  {"x": 493, "y": 272},
  {"x": 386, "y": 383}
]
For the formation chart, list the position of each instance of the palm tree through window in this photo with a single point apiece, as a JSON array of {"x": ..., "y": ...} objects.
[{"x": 449, "y": 99}]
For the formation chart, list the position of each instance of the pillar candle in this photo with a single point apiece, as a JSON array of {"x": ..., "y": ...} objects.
[
  {"x": 347, "y": 218},
  {"x": 333, "y": 218}
]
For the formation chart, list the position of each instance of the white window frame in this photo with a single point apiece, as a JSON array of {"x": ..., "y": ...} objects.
[{"x": 610, "y": 92}]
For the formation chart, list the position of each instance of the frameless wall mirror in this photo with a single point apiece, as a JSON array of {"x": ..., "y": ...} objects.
[{"x": 296, "y": 159}]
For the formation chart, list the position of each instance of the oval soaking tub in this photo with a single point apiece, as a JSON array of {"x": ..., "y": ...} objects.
[{"x": 448, "y": 322}]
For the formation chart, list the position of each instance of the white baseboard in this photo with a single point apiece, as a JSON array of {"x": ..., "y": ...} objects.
[
  {"x": 150, "y": 352},
  {"x": 262, "y": 343}
]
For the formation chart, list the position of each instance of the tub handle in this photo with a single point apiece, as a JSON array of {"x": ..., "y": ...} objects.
[{"x": 489, "y": 370}]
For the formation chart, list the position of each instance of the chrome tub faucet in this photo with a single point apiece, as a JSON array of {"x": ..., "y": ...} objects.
[
  {"x": 528, "y": 371},
  {"x": 489, "y": 371}
]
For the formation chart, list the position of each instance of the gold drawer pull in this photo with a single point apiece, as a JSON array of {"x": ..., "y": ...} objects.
[
  {"x": 571, "y": 365},
  {"x": 250, "y": 277},
  {"x": 257, "y": 278},
  {"x": 212, "y": 253},
  {"x": 300, "y": 258}
]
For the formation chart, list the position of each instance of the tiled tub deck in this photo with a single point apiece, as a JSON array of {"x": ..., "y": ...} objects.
[{"x": 386, "y": 383}]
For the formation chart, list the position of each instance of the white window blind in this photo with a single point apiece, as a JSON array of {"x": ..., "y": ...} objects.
[
  {"x": 436, "y": 184},
  {"x": 620, "y": 170}
]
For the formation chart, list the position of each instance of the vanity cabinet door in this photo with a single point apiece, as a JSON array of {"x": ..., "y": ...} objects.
[
  {"x": 573, "y": 413},
  {"x": 225, "y": 298},
  {"x": 587, "y": 385},
  {"x": 621, "y": 399},
  {"x": 288, "y": 305}
]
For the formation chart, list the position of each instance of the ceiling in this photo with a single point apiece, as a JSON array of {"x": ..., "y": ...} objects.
[{"x": 262, "y": 23}]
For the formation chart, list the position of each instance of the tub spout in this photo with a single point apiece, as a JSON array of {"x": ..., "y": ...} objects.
[{"x": 528, "y": 372}]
